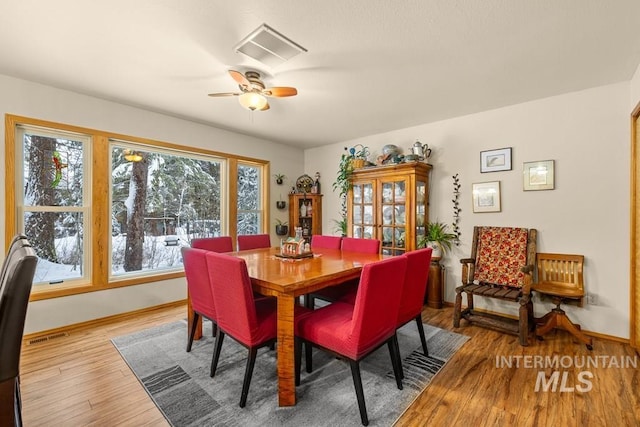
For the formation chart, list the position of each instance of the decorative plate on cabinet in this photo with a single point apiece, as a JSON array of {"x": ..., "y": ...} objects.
[{"x": 304, "y": 184}]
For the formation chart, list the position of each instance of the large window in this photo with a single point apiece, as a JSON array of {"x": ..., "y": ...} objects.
[
  {"x": 105, "y": 210},
  {"x": 53, "y": 202},
  {"x": 160, "y": 201}
]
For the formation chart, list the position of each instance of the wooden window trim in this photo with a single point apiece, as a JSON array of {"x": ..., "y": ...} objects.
[{"x": 100, "y": 209}]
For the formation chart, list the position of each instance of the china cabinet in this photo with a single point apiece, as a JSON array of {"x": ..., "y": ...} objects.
[
  {"x": 305, "y": 211},
  {"x": 389, "y": 203}
]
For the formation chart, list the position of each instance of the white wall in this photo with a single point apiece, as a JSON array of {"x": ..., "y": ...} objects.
[
  {"x": 635, "y": 89},
  {"x": 586, "y": 133},
  {"x": 24, "y": 98}
]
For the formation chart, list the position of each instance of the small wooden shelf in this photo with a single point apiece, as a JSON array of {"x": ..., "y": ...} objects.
[{"x": 311, "y": 224}]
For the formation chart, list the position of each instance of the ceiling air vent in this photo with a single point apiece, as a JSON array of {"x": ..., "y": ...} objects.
[{"x": 268, "y": 46}]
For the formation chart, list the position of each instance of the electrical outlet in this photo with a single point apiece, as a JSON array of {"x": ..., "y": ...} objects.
[{"x": 592, "y": 299}]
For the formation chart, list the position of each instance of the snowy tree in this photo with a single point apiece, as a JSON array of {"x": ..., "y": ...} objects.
[{"x": 135, "y": 203}]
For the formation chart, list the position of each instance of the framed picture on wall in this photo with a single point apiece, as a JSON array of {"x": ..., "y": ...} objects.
[
  {"x": 486, "y": 196},
  {"x": 538, "y": 175},
  {"x": 495, "y": 160}
]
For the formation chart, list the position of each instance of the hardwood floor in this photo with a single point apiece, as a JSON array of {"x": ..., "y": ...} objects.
[{"x": 80, "y": 380}]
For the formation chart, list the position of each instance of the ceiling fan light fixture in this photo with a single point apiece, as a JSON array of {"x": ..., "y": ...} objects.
[{"x": 252, "y": 101}]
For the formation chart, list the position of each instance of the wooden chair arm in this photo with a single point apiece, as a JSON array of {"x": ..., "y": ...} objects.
[
  {"x": 528, "y": 278},
  {"x": 468, "y": 267}
]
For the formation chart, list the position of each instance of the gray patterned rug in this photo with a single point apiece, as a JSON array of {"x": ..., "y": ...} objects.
[{"x": 179, "y": 382}]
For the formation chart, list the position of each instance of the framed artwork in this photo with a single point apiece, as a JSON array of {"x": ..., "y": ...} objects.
[
  {"x": 538, "y": 175},
  {"x": 486, "y": 196},
  {"x": 495, "y": 160}
]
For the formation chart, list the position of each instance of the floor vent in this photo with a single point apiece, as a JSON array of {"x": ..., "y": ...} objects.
[{"x": 48, "y": 338}]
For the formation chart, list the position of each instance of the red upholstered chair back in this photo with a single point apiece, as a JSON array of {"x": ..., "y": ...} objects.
[
  {"x": 215, "y": 244},
  {"x": 377, "y": 303},
  {"x": 415, "y": 284},
  {"x": 500, "y": 254},
  {"x": 232, "y": 293},
  {"x": 369, "y": 246},
  {"x": 196, "y": 271},
  {"x": 253, "y": 241},
  {"x": 326, "y": 242}
]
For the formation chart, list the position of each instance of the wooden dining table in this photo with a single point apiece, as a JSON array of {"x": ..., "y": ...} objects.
[{"x": 288, "y": 279}]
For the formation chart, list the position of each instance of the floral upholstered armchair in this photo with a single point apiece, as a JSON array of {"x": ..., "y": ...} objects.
[{"x": 501, "y": 266}]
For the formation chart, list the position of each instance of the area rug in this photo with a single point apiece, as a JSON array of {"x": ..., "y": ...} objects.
[{"x": 179, "y": 382}]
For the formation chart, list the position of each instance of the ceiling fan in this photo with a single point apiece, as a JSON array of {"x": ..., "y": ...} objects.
[{"x": 253, "y": 92}]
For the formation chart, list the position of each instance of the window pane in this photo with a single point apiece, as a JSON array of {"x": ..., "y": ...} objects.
[
  {"x": 53, "y": 171},
  {"x": 248, "y": 223},
  {"x": 60, "y": 256},
  {"x": 160, "y": 201},
  {"x": 249, "y": 203}
]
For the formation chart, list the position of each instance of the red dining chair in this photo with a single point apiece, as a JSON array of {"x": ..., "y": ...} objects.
[
  {"x": 199, "y": 288},
  {"x": 334, "y": 293},
  {"x": 250, "y": 322},
  {"x": 253, "y": 241},
  {"x": 415, "y": 286},
  {"x": 216, "y": 244},
  {"x": 355, "y": 331},
  {"x": 352, "y": 244},
  {"x": 319, "y": 241}
]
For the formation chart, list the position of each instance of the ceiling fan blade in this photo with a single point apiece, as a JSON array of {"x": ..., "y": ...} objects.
[
  {"x": 280, "y": 91},
  {"x": 224, "y": 94},
  {"x": 266, "y": 107},
  {"x": 240, "y": 79}
]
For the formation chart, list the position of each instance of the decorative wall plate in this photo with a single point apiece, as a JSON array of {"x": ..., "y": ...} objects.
[{"x": 304, "y": 184}]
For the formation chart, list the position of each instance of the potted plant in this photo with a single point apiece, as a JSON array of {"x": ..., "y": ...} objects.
[
  {"x": 281, "y": 204},
  {"x": 340, "y": 226},
  {"x": 279, "y": 178},
  {"x": 347, "y": 164},
  {"x": 438, "y": 238},
  {"x": 282, "y": 229}
]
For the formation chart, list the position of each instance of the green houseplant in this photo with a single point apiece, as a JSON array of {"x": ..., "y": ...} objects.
[
  {"x": 280, "y": 177},
  {"x": 438, "y": 238},
  {"x": 342, "y": 184}
]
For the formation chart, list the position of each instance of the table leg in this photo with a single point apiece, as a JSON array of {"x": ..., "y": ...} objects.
[
  {"x": 286, "y": 360},
  {"x": 190, "y": 316}
]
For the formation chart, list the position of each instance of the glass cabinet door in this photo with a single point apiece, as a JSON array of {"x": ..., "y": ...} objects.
[
  {"x": 421, "y": 211},
  {"x": 363, "y": 217},
  {"x": 393, "y": 221}
]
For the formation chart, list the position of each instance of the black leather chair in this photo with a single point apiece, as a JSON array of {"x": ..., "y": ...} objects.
[{"x": 17, "y": 279}]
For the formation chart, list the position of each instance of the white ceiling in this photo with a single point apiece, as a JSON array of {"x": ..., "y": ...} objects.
[{"x": 372, "y": 66}]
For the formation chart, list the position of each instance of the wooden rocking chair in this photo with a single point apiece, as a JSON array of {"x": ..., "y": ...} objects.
[{"x": 501, "y": 266}]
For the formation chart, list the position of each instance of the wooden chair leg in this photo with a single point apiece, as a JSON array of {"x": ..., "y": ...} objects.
[
  {"x": 192, "y": 332},
  {"x": 469, "y": 301},
  {"x": 457, "y": 308},
  {"x": 551, "y": 321},
  {"x": 423, "y": 340},
  {"x": 216, "y": 352},
  {"x": 251, "y": 361},
  {"x": 523, "y": 323},
  {"x": 357, "y": 383}
]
